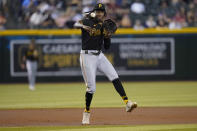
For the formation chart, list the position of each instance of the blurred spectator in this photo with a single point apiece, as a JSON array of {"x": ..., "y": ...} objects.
[
  {"x": 87, "y": 5},
  {"x": 29, "y": 3},
  {"x": 28, "y": 8},
  {"x": 63, "y": 13},
  {"x": 176, "y": 4},
  {"x": 87, "y": 8},
  {"x": 89, "y": 2},
  {"x": 174, "y": 24},
  {"x": 165, "y": 8},
  {"x": 37, "y": 18},
  {"x": 61, "y": 20},
  {"x": 150, "y": 22},
  {"x": 190, "y": 19},
  {"x": 191, "y": 7},
  {"x": 125, "y": 22},
  {"x": 182, "y": 11},
  {"x": 2, "y": 21},
  {"x": 162, "y": 21},
  {"x": 164, "y": 18},
  {"x": 180, "y": 19},
  {"x": 112, "y": 12},
  {"x": 161, "y": 24},
  {"x": 118, "y": 12},
  {"x": 138, "y": 25},
  {"x": 195, "y": 21},
  {"x": 3, "y": 5}
]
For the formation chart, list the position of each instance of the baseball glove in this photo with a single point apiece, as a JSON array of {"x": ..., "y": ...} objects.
[{"x": 110, "y": 26}]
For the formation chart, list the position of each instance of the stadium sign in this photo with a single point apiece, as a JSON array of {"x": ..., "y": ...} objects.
[{"x": 130, "y": 56}]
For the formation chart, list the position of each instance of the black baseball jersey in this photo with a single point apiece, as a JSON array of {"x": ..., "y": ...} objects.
[
  {"x": 29, "y": 54},
  {"x": 93, "y": 41}
]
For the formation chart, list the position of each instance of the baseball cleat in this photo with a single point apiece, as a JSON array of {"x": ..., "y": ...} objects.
[
  {"x": 86, "y": 118},
  {"x": 130, "y": 106},
  {"x": 32, "y": 88}
]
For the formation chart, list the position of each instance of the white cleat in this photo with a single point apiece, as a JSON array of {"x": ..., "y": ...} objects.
[
  {"x": 86, "y": 118},
  {"x": 130, "y": 106},
  {"x": 32, "y": 88}
]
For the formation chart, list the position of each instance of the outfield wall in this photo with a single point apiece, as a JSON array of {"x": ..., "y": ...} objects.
[{"x": 152, "y": 54}]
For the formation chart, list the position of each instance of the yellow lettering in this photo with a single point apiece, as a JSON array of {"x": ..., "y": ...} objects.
[
  {"x": 143, "y": 62},
  {"x": 67, "y": 60},
  {"x": 95, "y": 32},
  {"x": 75, "y": 60}
]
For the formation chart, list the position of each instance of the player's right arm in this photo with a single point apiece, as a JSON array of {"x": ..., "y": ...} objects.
[{"x": 80, "y": 24}]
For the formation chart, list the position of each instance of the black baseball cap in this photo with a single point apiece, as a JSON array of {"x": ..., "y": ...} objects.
[{"x": 99, "y": 6}]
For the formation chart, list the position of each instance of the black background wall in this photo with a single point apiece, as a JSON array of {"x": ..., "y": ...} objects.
[{"x": 185, "y": 60}]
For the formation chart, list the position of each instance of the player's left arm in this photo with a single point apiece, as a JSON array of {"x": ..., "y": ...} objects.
[
  {"x": 107, "y": 43},
  {"x": 107, "y": 38},
  {"x": 109, "y": 28}
]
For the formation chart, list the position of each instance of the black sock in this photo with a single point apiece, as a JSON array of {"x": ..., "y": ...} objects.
[
  {"x": 119, "y": 88},
  {"x": 88, "y": 98}
]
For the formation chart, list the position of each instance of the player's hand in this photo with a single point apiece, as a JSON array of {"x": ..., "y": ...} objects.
[{"x": 89, "y": 29}]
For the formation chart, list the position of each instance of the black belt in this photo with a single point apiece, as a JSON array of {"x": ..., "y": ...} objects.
[{"x": 93, "y": 53}]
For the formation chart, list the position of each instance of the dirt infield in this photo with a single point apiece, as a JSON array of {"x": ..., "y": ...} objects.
[{"x": 99, "y": 116}]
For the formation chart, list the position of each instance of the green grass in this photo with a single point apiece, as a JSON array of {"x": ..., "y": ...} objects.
[
  {"x": 72, "y": 95},
  {"x": 181, "y": 127},
  {"x": 67, "y": 95}
]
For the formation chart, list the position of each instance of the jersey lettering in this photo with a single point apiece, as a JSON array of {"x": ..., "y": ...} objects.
[
  {"x": 29, "y": 53},
  {"x": 95, "y": 32}
]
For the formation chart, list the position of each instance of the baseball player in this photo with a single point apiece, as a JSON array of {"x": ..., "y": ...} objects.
[
  {"x": 30, "y": 58},
  {"x": 94, "y": 36}
]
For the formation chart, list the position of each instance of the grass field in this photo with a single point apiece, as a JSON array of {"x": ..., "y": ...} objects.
[
  {"x": 68, "y": 95},
  {"x": 72, "y": 95},
  {"x": 186, "y": 127}
]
